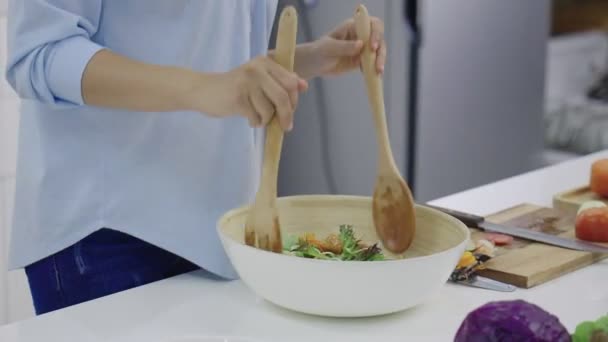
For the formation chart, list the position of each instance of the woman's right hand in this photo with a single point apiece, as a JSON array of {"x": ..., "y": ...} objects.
[{"x": 256, "y": 90}]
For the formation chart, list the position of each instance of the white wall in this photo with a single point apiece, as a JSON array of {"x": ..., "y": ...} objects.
[{"x": 15, "y": 302}]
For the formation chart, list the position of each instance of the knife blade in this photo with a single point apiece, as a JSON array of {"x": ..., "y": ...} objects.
[
  {"x": 475, "y": 221},
  {"x": 486, "y": 283}
]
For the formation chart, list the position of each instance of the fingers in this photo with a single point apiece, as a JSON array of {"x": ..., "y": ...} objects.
[
  {"x": 254, "y": 119},
  {"x": 262, "y": 107},
  {"x": 345, "y": 30},
  {"x": 302, "y": 85},
  {"x": 268, "y": 89},
  {"x": 287, "y": 83},
  {"x": 284, "y": 100},
  {"x": 343, "y": 48},
  {"x": 287, "y": 80},
  {"x": 378, "y": 44},
  {"x": 377, "y": 33},
  {"x": 251, "y": 114},
  {"x": 381, "y": 59}
]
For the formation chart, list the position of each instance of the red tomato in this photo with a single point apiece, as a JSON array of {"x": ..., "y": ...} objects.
[
  {"x": 592, "y": 225},
  {"x": 499, "y": 239},
  {"x": 599, "y": 177}
]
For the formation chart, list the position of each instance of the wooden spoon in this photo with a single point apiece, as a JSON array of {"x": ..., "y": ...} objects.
[
  {"x": 262, "y": 228},
  {"x": 393, "y": 204}
]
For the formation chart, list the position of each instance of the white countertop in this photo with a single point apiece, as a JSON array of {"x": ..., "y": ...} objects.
[{"x": 196, "y": 305}]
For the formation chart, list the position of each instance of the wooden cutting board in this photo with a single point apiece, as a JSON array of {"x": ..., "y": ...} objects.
[
  {"x": 569, "y": 201},
  {"x": 527, "y": 264}
]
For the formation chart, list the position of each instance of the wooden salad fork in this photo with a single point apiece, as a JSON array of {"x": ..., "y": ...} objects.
[{"x": 262, "y": 226}]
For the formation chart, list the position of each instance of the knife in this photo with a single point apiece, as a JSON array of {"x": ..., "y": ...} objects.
[
  {"x": 475, "y": 221},
  {"x": 486, "y": 283}
]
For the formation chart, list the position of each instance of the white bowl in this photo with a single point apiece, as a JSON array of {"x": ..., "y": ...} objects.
[{"x": 345, "y": 288}]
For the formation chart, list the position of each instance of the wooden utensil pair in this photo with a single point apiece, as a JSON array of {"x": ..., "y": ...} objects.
[{"x": 393, "y": 204}]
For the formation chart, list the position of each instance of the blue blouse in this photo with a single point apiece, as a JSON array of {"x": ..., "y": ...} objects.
[{"x": 162, "y": 177}]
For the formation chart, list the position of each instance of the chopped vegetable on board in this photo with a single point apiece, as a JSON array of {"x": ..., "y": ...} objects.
[
  {"x": 485, "y": 247},
  {"x": 499, "y": 239},
  {"x": 473, "y": 260}
]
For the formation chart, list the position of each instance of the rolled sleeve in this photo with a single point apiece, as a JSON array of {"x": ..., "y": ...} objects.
[
  {"x": 49, "y": 46},
  {"x": 67, "y": 65}
]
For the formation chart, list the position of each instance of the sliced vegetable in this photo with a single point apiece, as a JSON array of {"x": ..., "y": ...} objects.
[
  {"x": 466, "y": 259},
  {"x": 592, "y": 225},
  {"x": 515, "y": 320},
  {"x": 470, "y": 245},
  {"x": 589, "y": 205},
  {"x": 499, "y": 239},
  {"x": 599, "y": 177},
  {"x": 485, "y": 247},
  {"x": 473, "y": 260}
]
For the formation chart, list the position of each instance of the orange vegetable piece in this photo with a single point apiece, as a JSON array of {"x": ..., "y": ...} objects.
[
  {"x": 599, "y": 177},
  {"x": 466, "y": 259},
  {"x": 331, "y": 244}
]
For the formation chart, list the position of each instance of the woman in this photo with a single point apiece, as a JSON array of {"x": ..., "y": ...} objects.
[{"x": 139, "y": 127}]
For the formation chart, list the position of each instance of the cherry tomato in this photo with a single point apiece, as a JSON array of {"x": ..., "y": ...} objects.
[
  {"x": 592, "y": 225},
  {"x": 599, "y": 177}
]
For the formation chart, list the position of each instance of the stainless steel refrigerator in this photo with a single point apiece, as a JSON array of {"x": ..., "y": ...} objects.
[{"x": 464, "y": 88}]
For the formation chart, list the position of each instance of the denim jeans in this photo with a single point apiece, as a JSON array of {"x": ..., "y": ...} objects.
[{"x": 103, "y": 263}]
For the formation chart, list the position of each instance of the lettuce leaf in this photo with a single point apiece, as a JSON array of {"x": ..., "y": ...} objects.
[{"x": 592, "y": 331}]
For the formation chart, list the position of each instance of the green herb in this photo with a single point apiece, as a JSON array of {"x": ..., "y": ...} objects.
[
  {"x": 351, "y": 248},
  {"x": 592, "y": 331}
]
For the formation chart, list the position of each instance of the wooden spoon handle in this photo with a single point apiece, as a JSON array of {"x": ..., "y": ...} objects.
[
  {"x": 284, "y": 55},
  {"x": 285, "y": 49},
  {"x": 373, "y": 83}
]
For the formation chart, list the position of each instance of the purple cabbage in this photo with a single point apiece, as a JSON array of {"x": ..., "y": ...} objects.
[{"x": 515, "y": 321}]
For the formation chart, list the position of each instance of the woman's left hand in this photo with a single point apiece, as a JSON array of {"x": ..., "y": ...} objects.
[{"x": 339, "y": 51}]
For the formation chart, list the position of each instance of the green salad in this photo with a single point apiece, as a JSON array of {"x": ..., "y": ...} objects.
[
  {"x": 592, "y": 331},
  {"x": 344, "y": 246}
]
